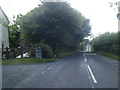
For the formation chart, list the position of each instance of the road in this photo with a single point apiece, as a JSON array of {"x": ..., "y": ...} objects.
[{"x": 78, "y": 70}]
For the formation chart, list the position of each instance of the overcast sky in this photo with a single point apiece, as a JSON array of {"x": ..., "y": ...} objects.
[{"x": 102, "y": 17}]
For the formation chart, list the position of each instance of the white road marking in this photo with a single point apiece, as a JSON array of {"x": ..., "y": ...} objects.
[
  {"x": 84, "y": 55},
  {"x": 85, "y": 60},
  {"x": 43, "y": 72},
  {"x": 93, "y": 77},
  {"x": 49, "y": 67},
  {"x": 92, "y": 85}
]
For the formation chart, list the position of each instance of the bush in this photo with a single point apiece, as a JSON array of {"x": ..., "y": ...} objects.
[
  {"x": 107, "y": 42},
  {"x": 47, "y": 51}
]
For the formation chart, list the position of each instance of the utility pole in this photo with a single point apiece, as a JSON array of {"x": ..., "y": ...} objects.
[{"x": 118, "y": 16}]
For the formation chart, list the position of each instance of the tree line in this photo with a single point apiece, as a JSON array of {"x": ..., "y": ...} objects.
[{"x": 107, "y": 42}]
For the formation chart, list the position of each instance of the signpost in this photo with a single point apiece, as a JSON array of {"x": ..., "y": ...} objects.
[{"x": 38, "y": 52}]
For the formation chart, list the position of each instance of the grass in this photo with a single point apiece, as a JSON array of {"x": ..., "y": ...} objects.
[
  {"x": 116, "y": 57},
  {"x": 25, "y": 61},
  {"x": 0, "y": 62},
  {"x": 32, "y": 60},
  {"x": 60, "y": 55}
]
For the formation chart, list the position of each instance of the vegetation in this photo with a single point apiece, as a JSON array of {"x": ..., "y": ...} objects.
[
  {"x": 25, "y": 61},
  {"x": 57, "y": 25},
  {"x": 116, "y": 57},
  {"x": 47, "y": 51},
  {"x": 63, "y": 54},
  {"x": 107, "y": 43},
  {"x": 14, "y": 34},
  {"x": 82, "y": 45},
  {"x": 0, "y": 62}
]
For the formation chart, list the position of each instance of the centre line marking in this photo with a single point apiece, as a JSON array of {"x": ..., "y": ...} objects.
[
  {"x": 85, "y": 60},
  {"x": 49, "y": 68},
  {"x": 93, "y": 77},
  {"x": 84, "y": 56},
  {"x": 43, "y": 72}
]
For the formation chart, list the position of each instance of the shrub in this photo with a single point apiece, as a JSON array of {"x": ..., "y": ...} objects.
[{"x": 46, "y": 50}]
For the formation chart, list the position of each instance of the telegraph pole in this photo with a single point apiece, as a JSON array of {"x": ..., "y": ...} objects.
[{"x": 118, "y": 16}]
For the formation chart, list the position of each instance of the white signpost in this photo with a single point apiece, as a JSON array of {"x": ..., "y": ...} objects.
[{"x": 38, "y": 52}]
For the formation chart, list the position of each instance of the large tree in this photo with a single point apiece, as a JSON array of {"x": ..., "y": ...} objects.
[{"x": 57, "y": 24}]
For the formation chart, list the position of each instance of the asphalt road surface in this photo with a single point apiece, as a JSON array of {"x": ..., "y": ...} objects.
[{"x": 78, "y": 70}]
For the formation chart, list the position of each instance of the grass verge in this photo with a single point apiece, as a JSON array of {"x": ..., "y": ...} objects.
[
  {"x": 116, "y": 57},
  {"x": 0, "y": 62},
  {"x": 63, "y": 54},
  {"x": 26, "y": 61}
]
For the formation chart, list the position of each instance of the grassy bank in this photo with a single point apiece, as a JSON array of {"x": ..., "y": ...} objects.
[
  {"x": 63, "y": 54},
  {"x": 32, "y": 60},
  {"x": 25, "y": 61},
  {"x": 116, "y": 57},
  {"x": 0, "y": 62}
]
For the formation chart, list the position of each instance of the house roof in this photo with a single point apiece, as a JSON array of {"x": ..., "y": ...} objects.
[{"x": 4, "y": 13}]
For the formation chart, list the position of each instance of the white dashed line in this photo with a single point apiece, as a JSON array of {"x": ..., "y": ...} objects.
[
  {"x": 93, "y": 77},
  {"x": 84, "y": 56},
  {"x": 49, "y": 67},
  {"x": 43, "y": 72},
  {"x": 91, "y": 81},
  {"x": 85, "y": 60}
]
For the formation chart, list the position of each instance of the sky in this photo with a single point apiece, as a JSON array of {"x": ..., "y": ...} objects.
[{"x": 102, "y": 16}]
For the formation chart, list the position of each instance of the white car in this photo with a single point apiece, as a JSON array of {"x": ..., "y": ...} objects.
[{"x": 24, "y": 55}]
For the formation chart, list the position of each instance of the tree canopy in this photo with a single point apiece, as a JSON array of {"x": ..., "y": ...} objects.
[
  {"x": 56, "y": 24},
  {"x": 107, "y": 42}
]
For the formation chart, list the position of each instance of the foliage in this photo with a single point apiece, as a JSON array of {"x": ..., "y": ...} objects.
[
  {"x": 82, "y": 45},
  {"x": 107, "y": 42},
  {"x": 47, "y": 51},
  {"x": 25, "y": 61},
  {"x": 63, "y": 54},
  {"x": 59, "y": 25},
  {"x": 116, "y": 57},
  {"x": 14, "y": 34}
]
